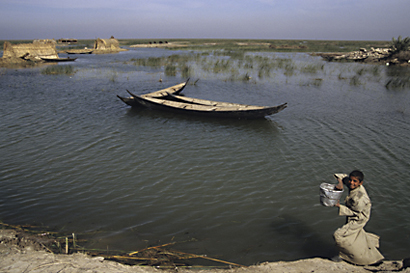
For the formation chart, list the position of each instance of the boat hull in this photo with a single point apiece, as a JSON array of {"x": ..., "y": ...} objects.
[
  {"x": 55, "y": 60},
  {"x": 239, "y": 111}
]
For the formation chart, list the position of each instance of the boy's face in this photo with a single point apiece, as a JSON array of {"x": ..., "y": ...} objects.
[{"x": 354, "y": 182}]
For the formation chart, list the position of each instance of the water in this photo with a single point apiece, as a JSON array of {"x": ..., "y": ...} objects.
[{"x": 77, "y": 159}]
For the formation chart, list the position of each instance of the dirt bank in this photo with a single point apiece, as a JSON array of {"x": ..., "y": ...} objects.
[{"x": 20, "y": 252}]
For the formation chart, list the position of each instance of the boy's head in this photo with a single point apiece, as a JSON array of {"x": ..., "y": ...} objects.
[{"x": 355, "y": 179}]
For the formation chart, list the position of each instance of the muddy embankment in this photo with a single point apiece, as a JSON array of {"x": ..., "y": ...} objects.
[{"x": 22, "y": 252}]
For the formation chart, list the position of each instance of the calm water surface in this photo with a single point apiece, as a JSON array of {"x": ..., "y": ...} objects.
[{"x": 77, "y": 159}]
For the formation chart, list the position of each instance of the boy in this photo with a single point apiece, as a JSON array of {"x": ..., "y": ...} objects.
[{"x": 355, "y": 244}]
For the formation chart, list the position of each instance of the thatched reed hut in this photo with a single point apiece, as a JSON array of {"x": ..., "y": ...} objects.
[
  {"x": 107, "y": 45},
  {"x": 29, "y": 51}
]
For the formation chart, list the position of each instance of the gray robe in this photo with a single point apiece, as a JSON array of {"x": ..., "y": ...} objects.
[{"x": 356, "y": 245}]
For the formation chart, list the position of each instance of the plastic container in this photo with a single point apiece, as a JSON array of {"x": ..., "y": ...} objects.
[{"x": 328, "y": 195}]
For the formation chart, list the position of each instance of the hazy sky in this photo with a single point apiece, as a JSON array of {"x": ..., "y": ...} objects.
[{"x": 253, "y": 19}]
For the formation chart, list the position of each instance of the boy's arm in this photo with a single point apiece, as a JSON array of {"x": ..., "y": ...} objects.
[
  {"x": 339, "y": 185},
  {"x": 345, "y": 211},
  {"x": 339, "y": 177}
]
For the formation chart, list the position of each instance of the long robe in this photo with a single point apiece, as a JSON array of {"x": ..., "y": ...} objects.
[{"x": 355, "y": 244}]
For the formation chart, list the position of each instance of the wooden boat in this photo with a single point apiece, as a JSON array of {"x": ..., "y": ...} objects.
[
  {"x": 79, "y": 51},
  {"x": 58, "y": 59},
  {"x": 193, "y": 106},
  {"x": 176, "y": 89}
]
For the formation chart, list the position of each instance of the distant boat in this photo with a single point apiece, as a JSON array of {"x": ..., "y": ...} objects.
[
  {"x": 79, "y": 51},
  {"x": 58, "y": 59},
  {"x": 192, "y": 106}
]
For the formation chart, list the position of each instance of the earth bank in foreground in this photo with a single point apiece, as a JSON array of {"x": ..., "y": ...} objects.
[{"x": 19, "y": 253}]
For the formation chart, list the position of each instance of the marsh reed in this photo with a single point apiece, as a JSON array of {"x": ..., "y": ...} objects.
[
  {"x": 234, "y": 63},
  {"x": 58, "y": 70}
]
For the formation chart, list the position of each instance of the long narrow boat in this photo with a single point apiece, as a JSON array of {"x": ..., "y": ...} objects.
[
  {"x": 55, "y": 60},
  {"x": 173, "y": 90},
  {"x": 203, "y": 102},
  {"x": 176, "y": 89},
  {"x": 79, "y": 51},
  {"x": 207, "y": 108}
]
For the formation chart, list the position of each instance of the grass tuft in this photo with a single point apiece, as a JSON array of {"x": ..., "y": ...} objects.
[{"x": 58, "y": 70}]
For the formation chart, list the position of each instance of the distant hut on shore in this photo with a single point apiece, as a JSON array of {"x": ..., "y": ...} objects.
[
  {"x": 34, "y": 50},
  {"x": 45, "y": 41},
  {"x": 67, "y": 41}
]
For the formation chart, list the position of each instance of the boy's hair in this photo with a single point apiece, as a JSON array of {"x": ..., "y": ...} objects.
[{"x": 358, "y": 174}]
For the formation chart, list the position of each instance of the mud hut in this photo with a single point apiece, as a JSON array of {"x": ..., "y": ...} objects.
[
  {"x": 107, "y": 45},
  {"x": 30, "y": 51}
]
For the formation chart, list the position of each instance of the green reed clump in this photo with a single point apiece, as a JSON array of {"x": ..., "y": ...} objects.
[
  {"x": 233, "y": 54},
  {"x": 170, "y": 70},
  {"x": 154, "y": 62},
  {"x": 289, "y": 69},
  {"x": 58, "y": 70},
  {"x": 264, "y": 71},
  {"x": 340, "y": 77},
  {"x": 313, "y": 82},
  {"x": 317, "y": 82},
  {"x": 398, "y": 83},
  {"x": 186, "y": 71},
  {"x": 311, "y": 68},
  {"x": 354, "y": 80},
  {"x": 281, "y": 63},
  {"x": 151, "y": 62},
  {"x": 360, "y": 71},
  {"x": 113, "y": 75},
  {"x": 246, "y": 77},
  {"x": 375, "y": 70},
  {"x": 248, "y": 62},
  {"x": 221, "y": 66}
]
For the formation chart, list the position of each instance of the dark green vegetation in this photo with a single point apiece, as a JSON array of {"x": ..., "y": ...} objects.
[
  {"x": 58, "y": 70},
  {"x": 400, "y": 44},
  {"x": 400, "y": 49},
  {"x": 231, "y": 65}
]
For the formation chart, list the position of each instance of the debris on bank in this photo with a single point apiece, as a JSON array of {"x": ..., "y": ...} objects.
[
  {"x": 159, "y": 256},
  {"x": 386, "y": 56}
]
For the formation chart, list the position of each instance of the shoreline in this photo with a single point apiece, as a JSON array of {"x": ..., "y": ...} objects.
[{"x": 23, "y": 252}]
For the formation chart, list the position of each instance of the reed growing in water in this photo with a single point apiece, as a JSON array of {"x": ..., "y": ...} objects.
[{"x": 58, "y": 70}]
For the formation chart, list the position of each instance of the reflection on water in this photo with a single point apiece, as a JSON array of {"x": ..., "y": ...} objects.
[{"x": 77, "y": 159}]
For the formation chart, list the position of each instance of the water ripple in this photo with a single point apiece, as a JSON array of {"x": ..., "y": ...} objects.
[{"x": 247, "y": 191}]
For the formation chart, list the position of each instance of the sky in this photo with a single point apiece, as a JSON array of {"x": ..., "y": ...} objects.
[{"x": 188, "y": 19}]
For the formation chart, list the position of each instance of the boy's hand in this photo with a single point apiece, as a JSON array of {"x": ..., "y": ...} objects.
[
  {"x": 337, "y": 204},
  {"x": 339, "y": 186}
]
